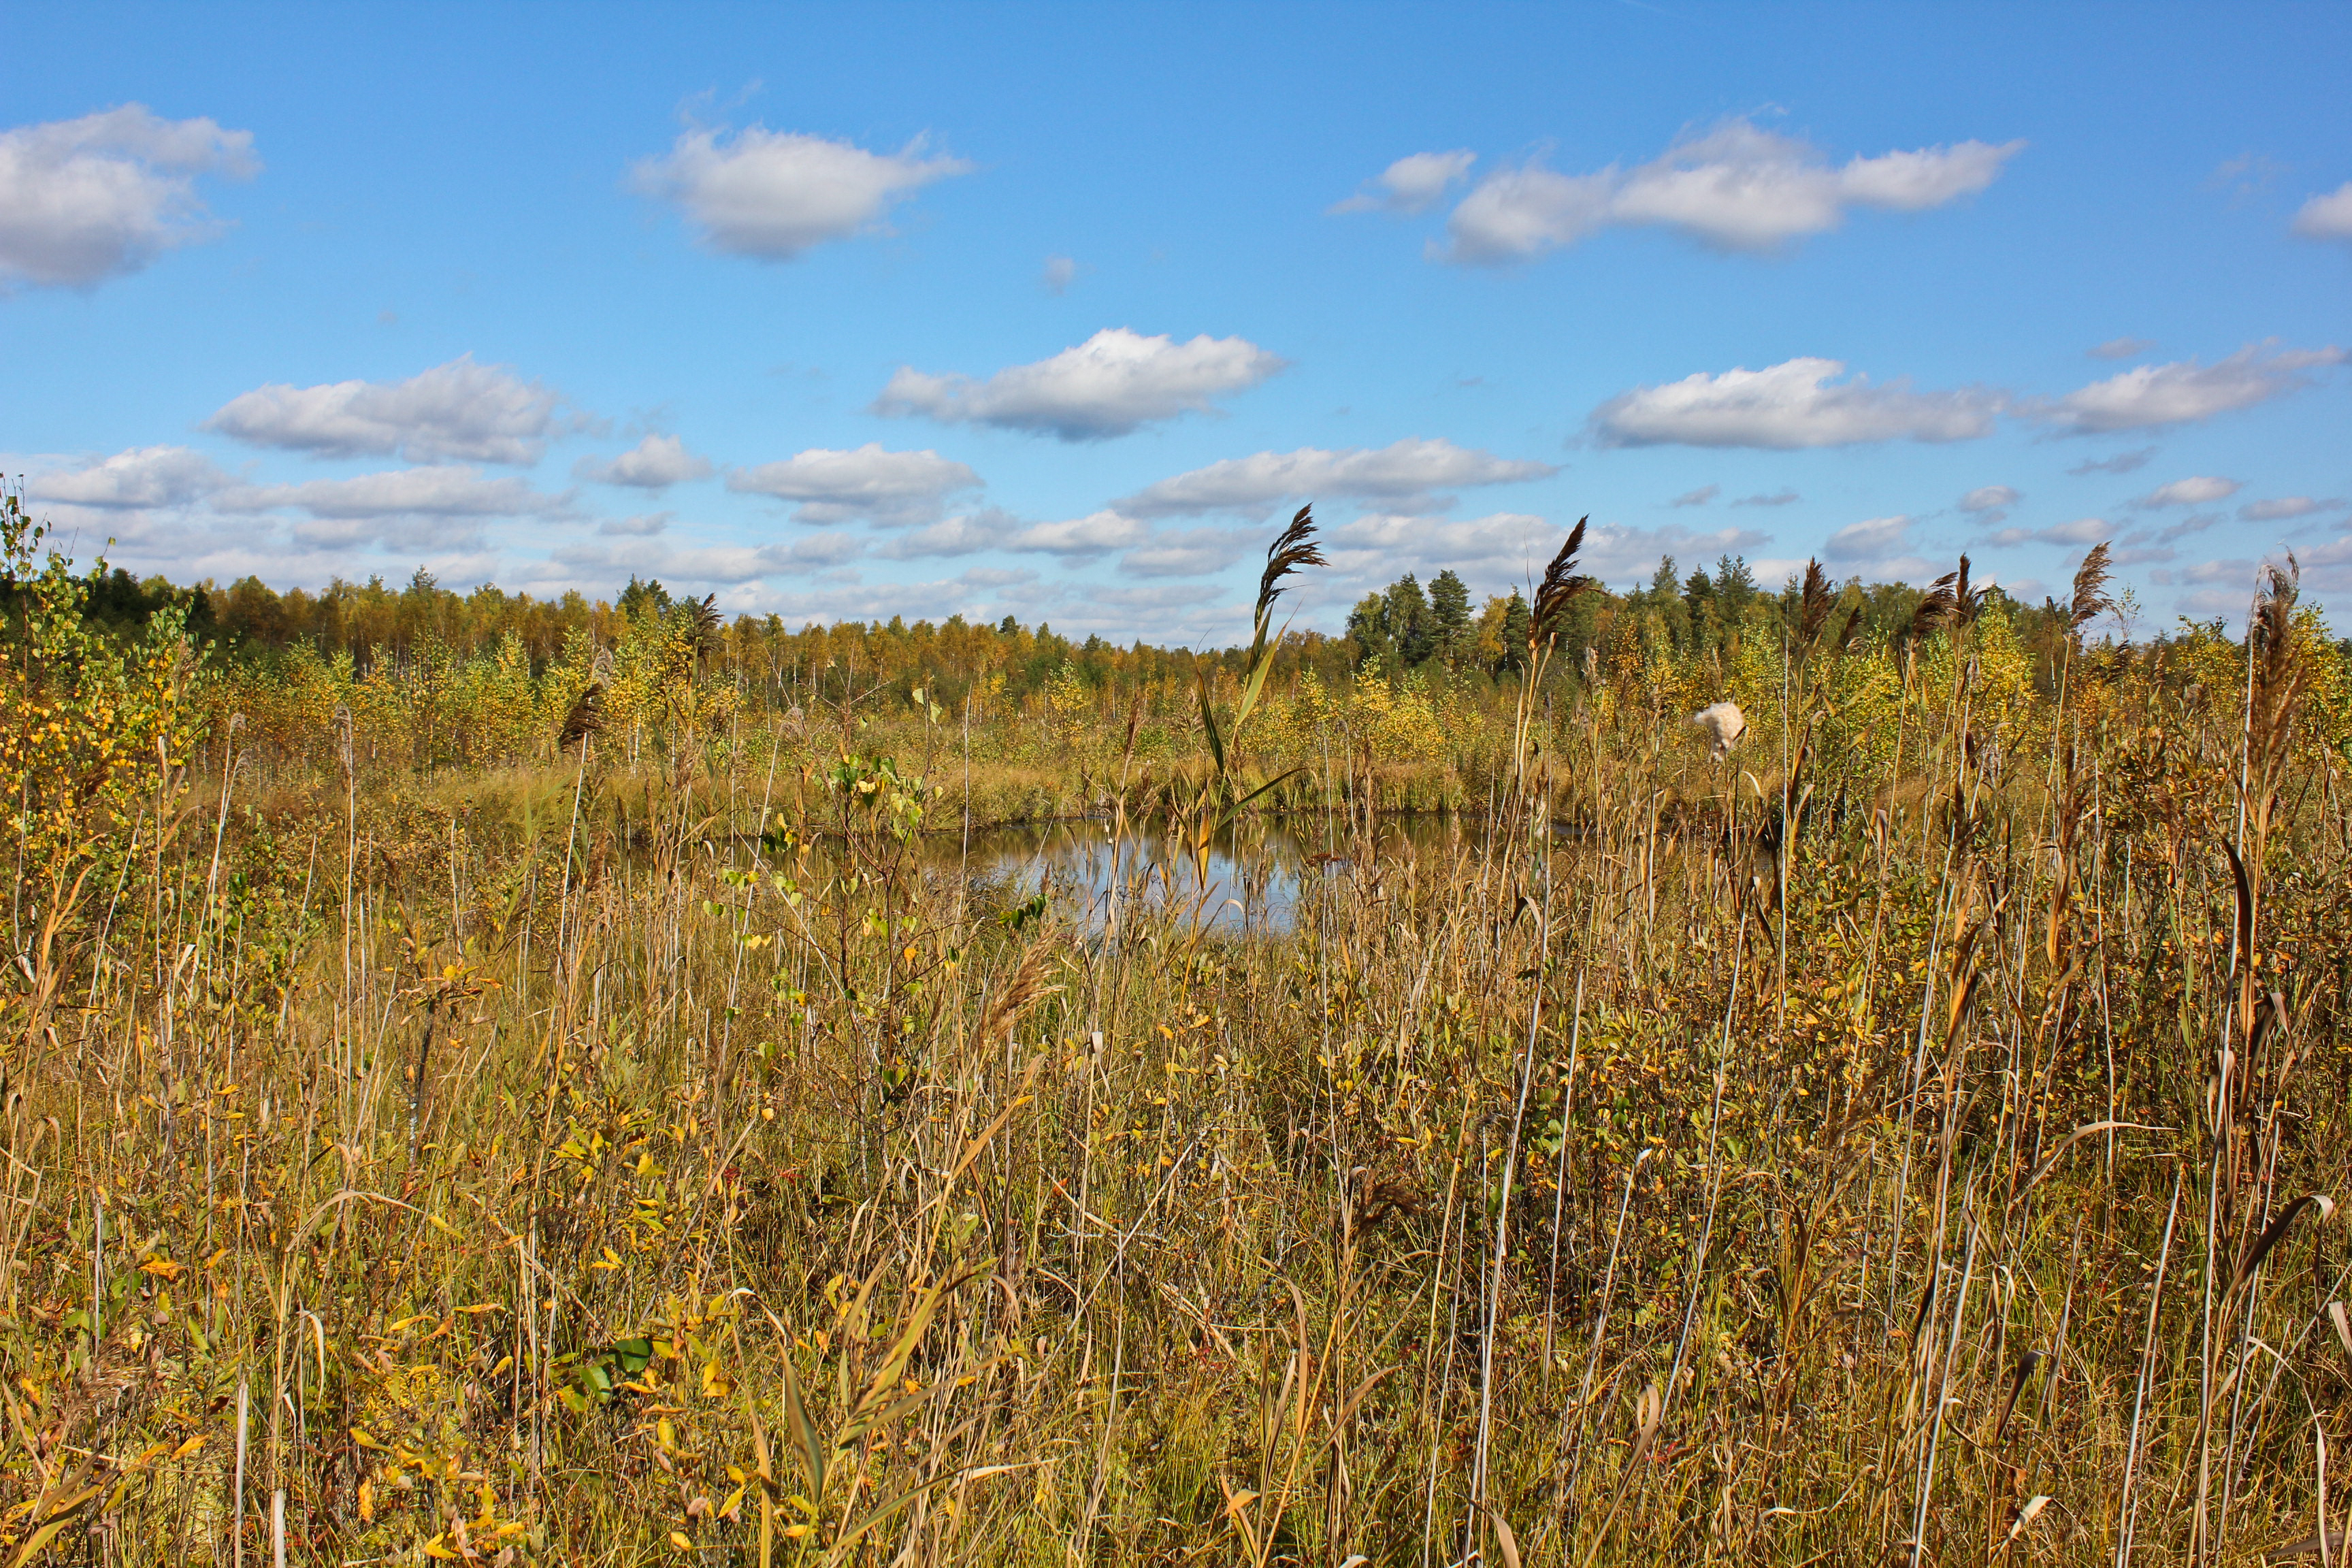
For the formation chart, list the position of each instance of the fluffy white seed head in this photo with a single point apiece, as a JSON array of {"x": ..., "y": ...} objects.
[{"x": 1723, "y": 723}]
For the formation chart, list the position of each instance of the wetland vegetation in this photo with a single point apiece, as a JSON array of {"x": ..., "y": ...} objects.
[{"x": 521, "y": 1083}]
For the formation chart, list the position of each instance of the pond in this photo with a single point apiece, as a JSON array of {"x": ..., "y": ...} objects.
[{"x": 1254, "y": 873}]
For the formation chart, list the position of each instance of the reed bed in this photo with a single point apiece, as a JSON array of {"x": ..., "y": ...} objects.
[{"x": 1914, "y": 1153}]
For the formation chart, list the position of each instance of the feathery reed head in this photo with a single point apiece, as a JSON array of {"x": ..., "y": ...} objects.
[
  {"x": 2274, "y": 619},
  {"x": 585, "y": 718},
  {"x": 1967, "y": 601},
  {"x": 1292, "y": 548},
  {"x": 1815, "y": 611},
  {"x": 702, "y": 618},
  {"x": 2091, "y": 598},
  {"x": 1936, "y": 609},
  {"x": 1561, "y": 583},
  {"x": 2279, "y": 671}
]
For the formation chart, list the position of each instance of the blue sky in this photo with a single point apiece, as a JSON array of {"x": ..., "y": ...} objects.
[{"x": 1051, "y": 311}]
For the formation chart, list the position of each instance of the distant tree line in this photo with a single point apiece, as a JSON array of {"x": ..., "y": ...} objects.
[{"x": 1405, "y": 630}]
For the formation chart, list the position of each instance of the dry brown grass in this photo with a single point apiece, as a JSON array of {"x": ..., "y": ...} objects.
[{"x": 566, "y": 1185}]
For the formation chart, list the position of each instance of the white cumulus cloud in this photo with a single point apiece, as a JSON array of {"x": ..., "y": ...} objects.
[
  {"x": 1988, "y": 504},
  {"x": 1187, "y": 552},
  {"x": 422, "y": 509},
  {"x": 1735, "y": 188},
  {"x": 710, "y": 565},
  {"x": 1791, "y": 405},
  {"x": 2328, "y": 217},
  {"x": 1412, "y": 184},
  {"x": 442, "y": 491},
  {"x": 460, "y": 411},
  {"x": 1082, "y": 537},
  {"x": 1406, "y": 470},
  {"x": 655, "y": 463},
  {"x": 2197, "y": 490},
  {"x": 1076, "y": 539},
  {"x": 890, "y": 490},
  {"x": 2284, "y": 507},
  {"x": 1869, "y": 539},
  {"x": 2184, "y": 390},
  {"x": 967, "y": 534},
  {"x": 772, "y": 195},
  {"x": 137, "y": 480},
  {"x": 2082, "y": 531},
  {"x": 1112, "y": 383},
  {"x": 89, "y": 199}
]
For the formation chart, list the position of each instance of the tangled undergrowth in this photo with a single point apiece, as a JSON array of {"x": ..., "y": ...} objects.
[{"x": 1915, "y": 1152}]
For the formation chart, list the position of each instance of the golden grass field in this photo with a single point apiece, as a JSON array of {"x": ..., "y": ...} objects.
[{"x": 1908, "y": 1138}]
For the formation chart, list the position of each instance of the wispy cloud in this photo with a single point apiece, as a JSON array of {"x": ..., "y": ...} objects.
[
  {"x": 1413, "y": 470},
  {"x": 2183, "y": 391},
  {"x": 2283, "y": 507},
  {"x": 1736, "y": 187},
  {"x": 889, "y": 490},
  {"x": 1412, "y": 184},
  {"x": 2200, "y": 489},
  {"x": 2121, "y": 463}
]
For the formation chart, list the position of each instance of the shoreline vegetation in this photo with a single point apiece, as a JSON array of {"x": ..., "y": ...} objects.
[{"x": 500, "y": 1081}]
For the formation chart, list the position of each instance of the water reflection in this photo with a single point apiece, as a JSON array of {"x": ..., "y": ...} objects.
[{"x": 1255, "y": 871}]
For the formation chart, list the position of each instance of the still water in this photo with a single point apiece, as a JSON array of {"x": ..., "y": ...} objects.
[{"x": 1255, "y": 871}]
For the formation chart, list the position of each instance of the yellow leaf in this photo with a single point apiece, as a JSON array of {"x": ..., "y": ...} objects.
[
  {"x": 680, "y": 1541},
  {"x": 666, "y": 1435},
  {"x": 164, "y": 1268},
  {"x": 367, "y": 1502},
  {"x": 435, "y": 1548},
  {"x": 360, "y": 1436}
]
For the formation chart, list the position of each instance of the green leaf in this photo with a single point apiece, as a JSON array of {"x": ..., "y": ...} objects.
[{"x": 1209, "y": 719}]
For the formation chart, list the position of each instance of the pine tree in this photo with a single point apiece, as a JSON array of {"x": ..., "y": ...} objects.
[
  {"x": 1449, "y": 609},
  {"x": 1735, "y": 588},
  {"x": 643, "y": 598},
  {"x": 1516, "y": 622},
  {"x": 1664, "y": 583}
]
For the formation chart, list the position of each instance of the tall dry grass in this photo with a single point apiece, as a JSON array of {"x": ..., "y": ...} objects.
[{"x": 1784, "y": 1160}]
